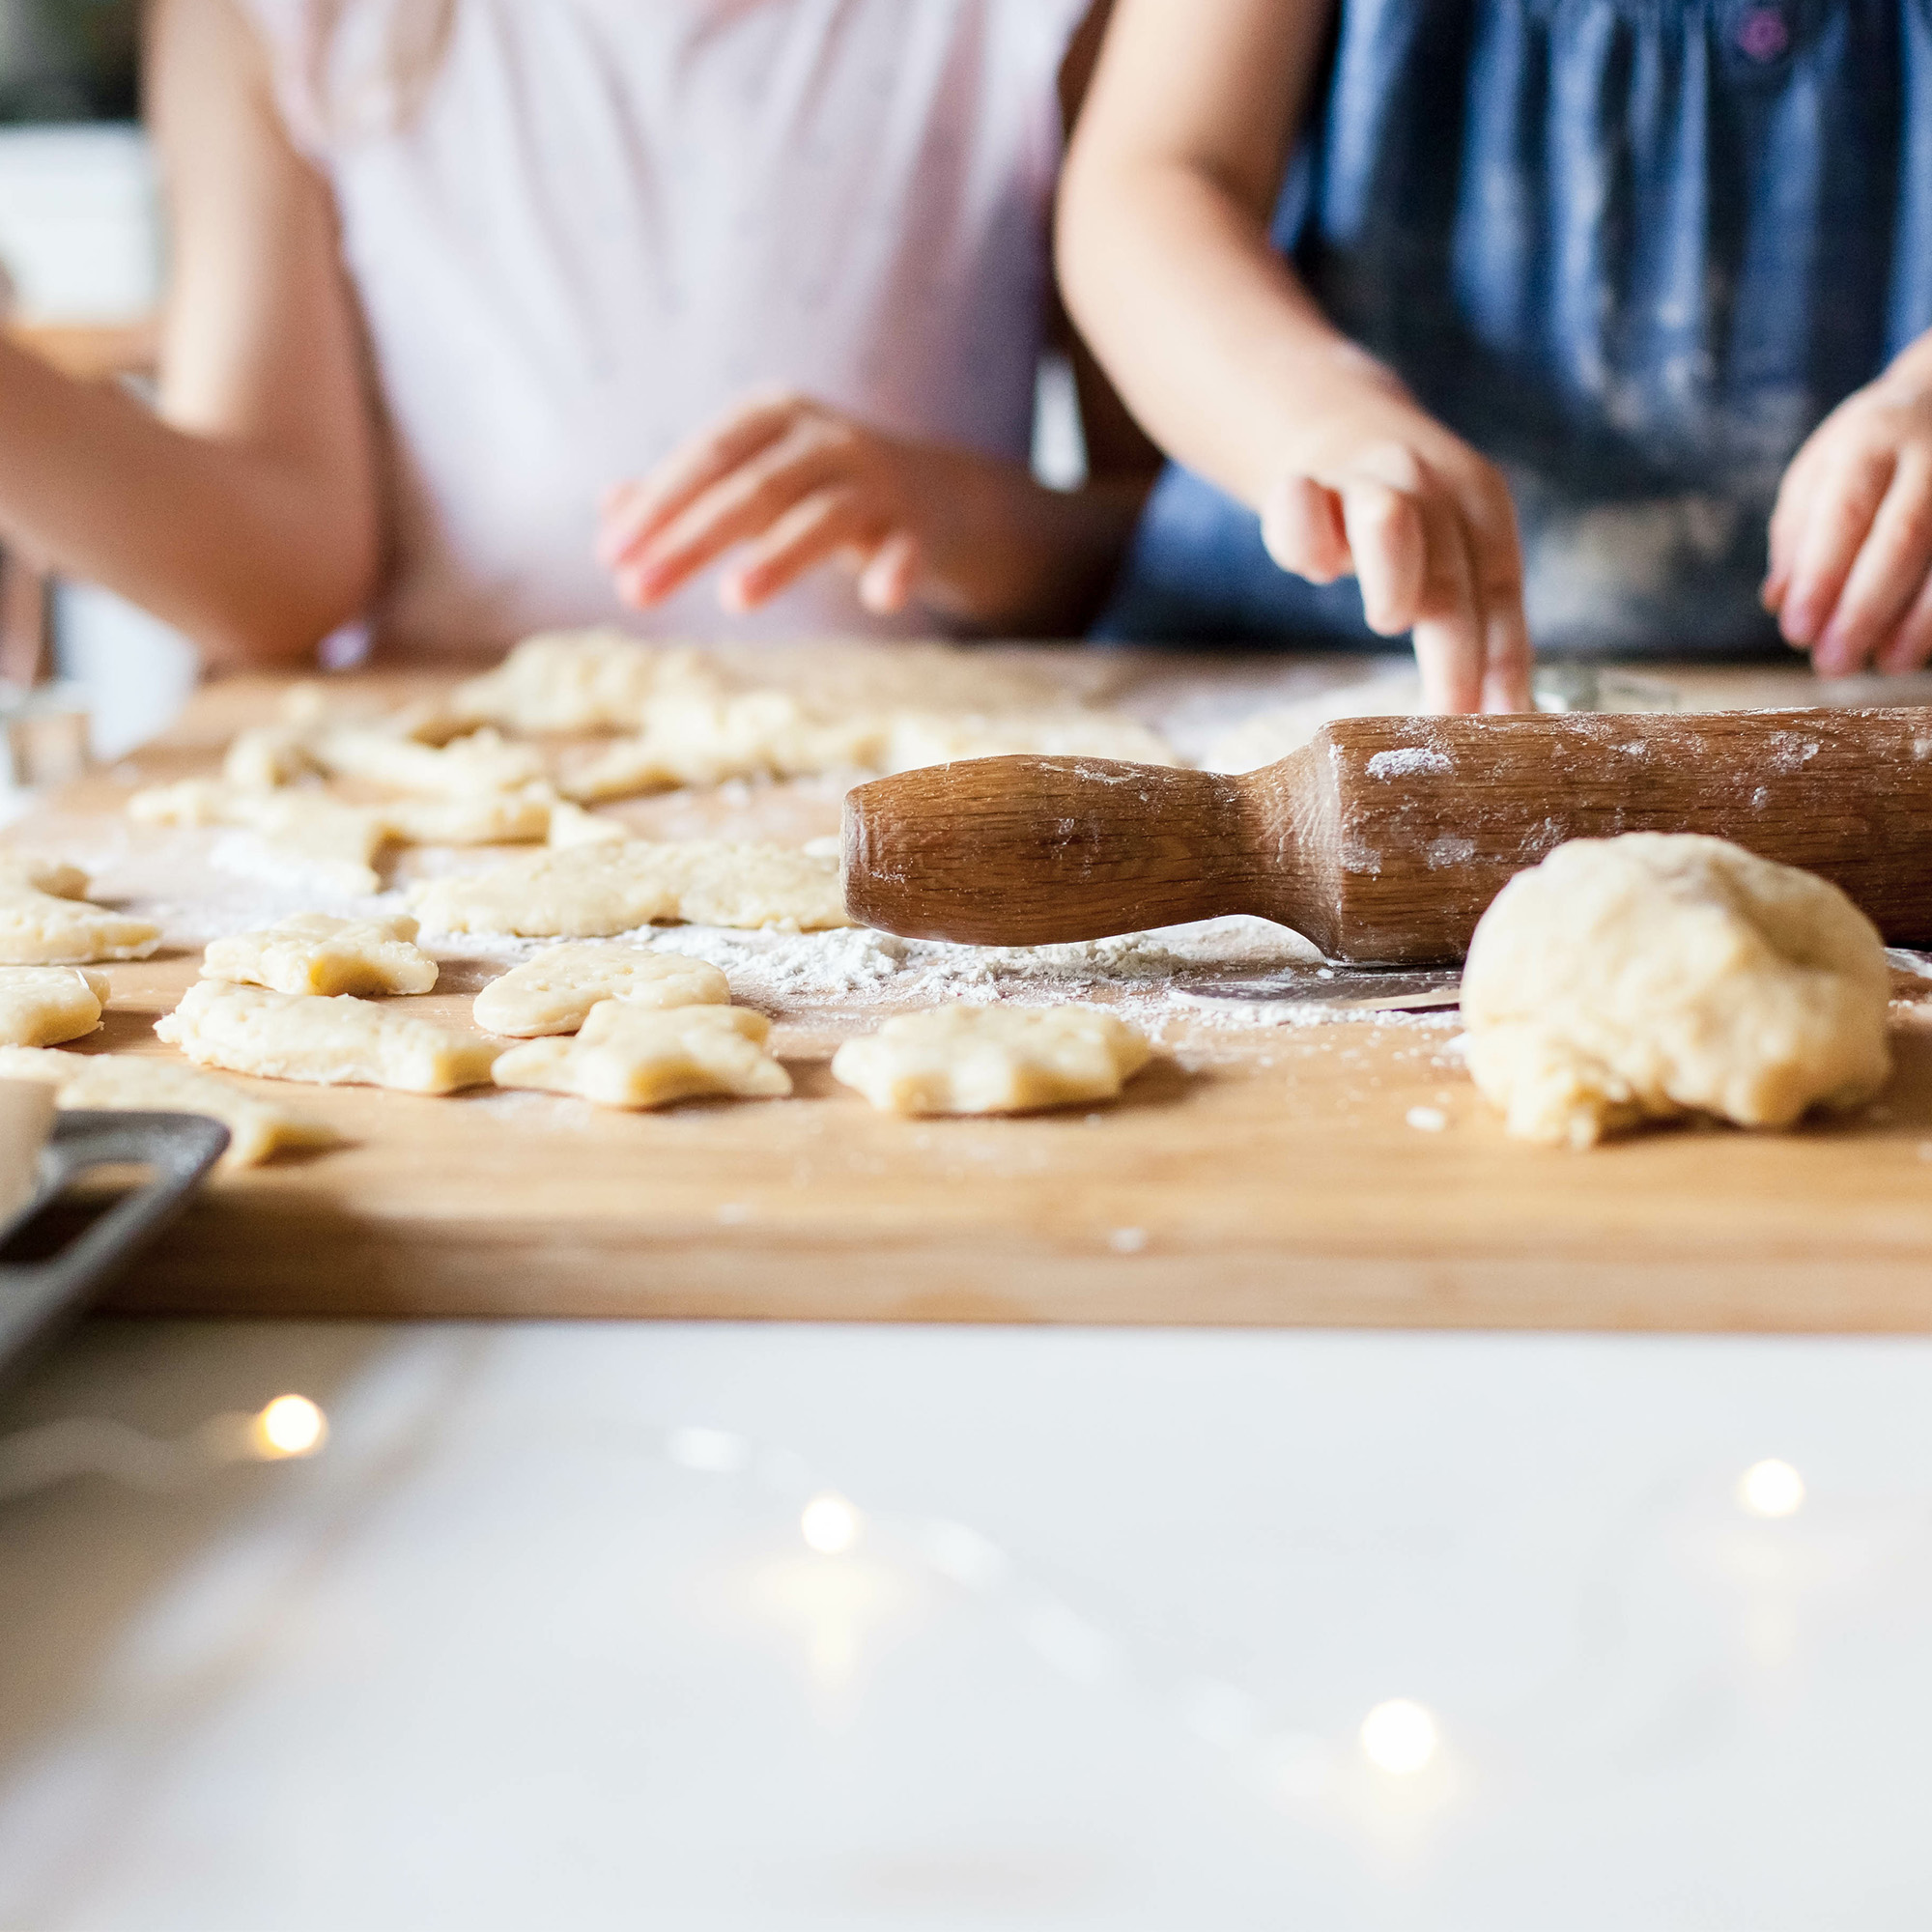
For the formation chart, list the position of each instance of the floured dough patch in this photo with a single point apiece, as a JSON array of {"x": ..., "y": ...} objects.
[
  {"x": 336, "y": 843},
  {"x": 992, "y": 1060},
  {"x": 632, "y": 1056},
  {"x": 554, "y": 992},
  {"x": 314, "y": 953},
  {"x": 137, "y": 1082},
  {"x": 1655, "y": 974},
  {"x": 47, "y": 921},
  {"x": 325, "y": 1041},
  {"x": 591, "y": 892},
  {"x": 43, "y": 1005}
]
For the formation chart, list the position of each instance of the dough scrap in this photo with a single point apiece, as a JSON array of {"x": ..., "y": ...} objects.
[
  {"x": 554, "y": 992},
  {"x": 632, "y": 1056},
  {"x": 325, "y": 1041},
  {"x": 43, "y": 1005},
  {"x": 265, "y": 757},
  {"x": 481, "y": 762},
  {"x": 336, "y": 843},
  {"x": 47, "y": 921},
  {"x": 692, "y": 724},
  {"x": 598, "y": 680},
  {"x": 143, "y": 1084},
  {"x": 992, "y": 1060},
  {"x": 318, "y": 703},
  {"x": 919, "y": 739},
  {"x": 314, "y": 953},
  {"x": 591, "y": 892},
  {"x": 571, "y": 824},
  {"x": 698, "y": 737},
  {"x": 1656, "y": 974},
  {"x": 52, "y": 876},
  {"x": 479, "y": 818}
]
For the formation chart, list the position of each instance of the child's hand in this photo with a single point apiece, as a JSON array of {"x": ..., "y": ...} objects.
[
  {"x": 796, "y": 482},
  {"x": 1427, "y": 529},
  {"x": 1851, "y": 537}
]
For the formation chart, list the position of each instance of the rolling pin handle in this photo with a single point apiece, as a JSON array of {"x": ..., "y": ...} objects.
[{"x": 1026, "y": 851}]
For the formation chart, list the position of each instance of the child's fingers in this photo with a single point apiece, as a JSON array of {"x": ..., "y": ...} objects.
[
  {"x": 1450, "y": 642},
  {"x": 1388, "y": 541},
  {"x": 1839, "y": 516},
  {"x": 810, "y": 533},
  {"x": 1911, "y": 644},
  {"x": 1302, "y": 528},
  {"x": 1886, "y": 579},
  {"x": 1789, "y": 517},
  {"x": 635, "y": 512},
  {"x": 887, "y": 584},
  {"x": 1507, "y": 658},
  {"x": 741, "y": 506},
  {"x": 1495, "y": 553}
]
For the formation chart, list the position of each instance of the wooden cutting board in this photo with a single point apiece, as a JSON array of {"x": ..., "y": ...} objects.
[{"x": 1262, "y": 1175}]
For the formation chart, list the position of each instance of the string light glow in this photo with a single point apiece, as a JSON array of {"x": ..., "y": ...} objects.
[
  {"x": 289, "y": 1426},
  {"x": 830, "y": 1525},
  {"x": 1770, "y": 1488},
  {"x": 1398, "y": 1737}
]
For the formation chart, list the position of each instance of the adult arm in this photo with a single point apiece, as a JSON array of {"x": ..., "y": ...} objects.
[{"x": 245, "y": 511}]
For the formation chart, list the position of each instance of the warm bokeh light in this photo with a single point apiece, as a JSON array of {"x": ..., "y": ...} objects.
[
  {"x": 290, "y": 1425},
  {"x": 1398, "y": 1737},
  {"x": 830, "y": 1525},
  {"x": 1770, "y": 1488}
]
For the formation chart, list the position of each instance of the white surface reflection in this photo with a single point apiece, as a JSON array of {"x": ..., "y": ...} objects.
[
  {"x": 789, "y": 1629},
  {"x": 1771, "y": 1489},
  {"x": 830, "y": 1525},
  {"x": 1398, "y": 1737}
]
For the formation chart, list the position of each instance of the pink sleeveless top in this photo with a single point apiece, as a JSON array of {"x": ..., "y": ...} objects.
[{"x": 605, "y": 220}]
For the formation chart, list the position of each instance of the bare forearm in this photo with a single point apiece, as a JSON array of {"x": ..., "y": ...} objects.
[
  {"x": 230, "y": 546},
  {"x": 1008, "y": 555},
  {"x": 1212, "y": 338}
]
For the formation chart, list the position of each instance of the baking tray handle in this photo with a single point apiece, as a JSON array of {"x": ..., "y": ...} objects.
[{"x": 177, "y": 1149}]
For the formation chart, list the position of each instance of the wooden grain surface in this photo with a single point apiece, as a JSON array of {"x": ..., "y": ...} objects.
[{"x": 1265, "y": 1175}]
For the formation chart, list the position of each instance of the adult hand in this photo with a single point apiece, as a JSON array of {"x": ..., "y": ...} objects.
[
  {"x": 1383, "y": 493},
  {"x": 1851, "y": 535},
  {"x": 792, "y": 482}
]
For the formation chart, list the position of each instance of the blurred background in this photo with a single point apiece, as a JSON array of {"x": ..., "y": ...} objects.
[
  {"x": 68, "y": 60},
  {"x": 81, "y": 266}
]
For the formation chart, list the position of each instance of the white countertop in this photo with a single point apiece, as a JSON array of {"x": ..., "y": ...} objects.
[{"x": 536, "y": 1640}]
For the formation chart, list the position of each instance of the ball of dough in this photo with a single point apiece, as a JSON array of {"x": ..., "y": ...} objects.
[{"x": 1656, "y": 974}]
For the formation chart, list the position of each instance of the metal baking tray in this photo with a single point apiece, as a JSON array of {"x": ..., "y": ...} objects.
[{"x": 50, "y": 1266}]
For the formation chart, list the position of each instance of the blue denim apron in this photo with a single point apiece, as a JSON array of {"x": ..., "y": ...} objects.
[{"x": 1634, "y": 251}]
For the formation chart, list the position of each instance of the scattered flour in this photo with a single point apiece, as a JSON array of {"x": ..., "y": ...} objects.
[{"x": 1410, "y": 761}]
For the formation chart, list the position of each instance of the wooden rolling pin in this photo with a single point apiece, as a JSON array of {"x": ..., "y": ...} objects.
[{"x": 1384, "y": 839}]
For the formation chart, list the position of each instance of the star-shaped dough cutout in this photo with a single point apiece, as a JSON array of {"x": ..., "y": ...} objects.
[
  {"x": 993, "y": 1060},
  {"x": 631, "y": 1056}
]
